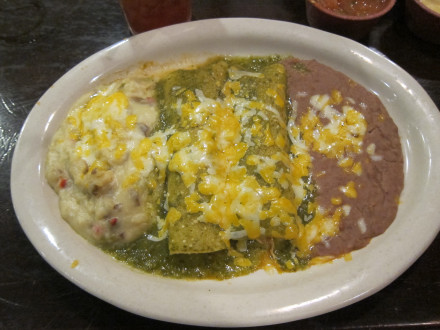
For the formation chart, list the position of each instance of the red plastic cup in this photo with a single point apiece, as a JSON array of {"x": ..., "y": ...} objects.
[{"x": 144, "y": 15}]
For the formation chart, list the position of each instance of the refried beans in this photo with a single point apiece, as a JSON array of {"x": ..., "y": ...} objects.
[{"x": 380, "y": 182}]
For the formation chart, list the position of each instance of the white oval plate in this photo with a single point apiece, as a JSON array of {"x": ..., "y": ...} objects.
[{"x": 260, "y": 298}]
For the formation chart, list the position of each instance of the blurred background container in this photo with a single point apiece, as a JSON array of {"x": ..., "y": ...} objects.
[
  {"x": 353, "y": 19},
  {"x": 423, "y": 19},
  {"x": 144, "y": 15}
]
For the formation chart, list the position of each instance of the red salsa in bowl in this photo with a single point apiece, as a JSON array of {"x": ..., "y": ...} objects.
[
  {"x": 351, "y": 18},
  {"x": 354, "y": 7}
]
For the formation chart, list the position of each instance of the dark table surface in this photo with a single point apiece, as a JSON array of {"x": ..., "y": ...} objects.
[{"x": 40, "y": 40}]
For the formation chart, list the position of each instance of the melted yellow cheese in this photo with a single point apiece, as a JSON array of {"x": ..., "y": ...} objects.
[
  {"x": 106, "y": 133},
  {"x": 340, "y": 137}
]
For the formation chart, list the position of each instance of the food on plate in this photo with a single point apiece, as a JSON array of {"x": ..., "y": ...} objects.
[{"x": 221, "y": 168}]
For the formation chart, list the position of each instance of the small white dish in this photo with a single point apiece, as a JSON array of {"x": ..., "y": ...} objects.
[{"x": 260, "y": 298}]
